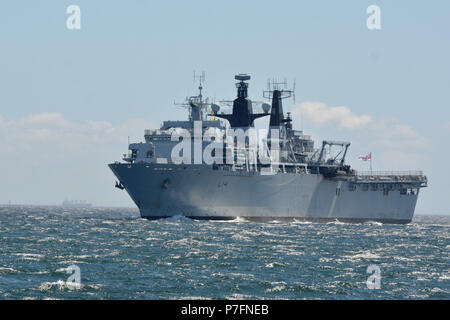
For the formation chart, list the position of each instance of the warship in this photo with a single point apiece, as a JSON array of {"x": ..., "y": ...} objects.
[
  {"x": 76, "y": 204},
  {"x": 215, "y": 165}
]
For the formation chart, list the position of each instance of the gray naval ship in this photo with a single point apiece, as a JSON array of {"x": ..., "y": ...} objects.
[{"x": 209, "y": 167}]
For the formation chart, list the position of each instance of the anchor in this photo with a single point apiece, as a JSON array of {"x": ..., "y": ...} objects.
[
  {"x": 166, "y": 183},
  {"x": 119, "y": 185}
]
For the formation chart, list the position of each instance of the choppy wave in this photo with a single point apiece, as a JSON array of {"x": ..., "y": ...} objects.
[
  {"x": 337, "y": 222},
  {"x": 66, "y": 285},
  {"x": 237, "y": 219},
  {"x": 6, "y": 270},
  {"x": 300, "y": 222},
  {"x": 373, "y": 223},
  {"x": 121, "y": 256},
  {"x": 176, "y": 218},
  {"x": 365, "y": 255}
]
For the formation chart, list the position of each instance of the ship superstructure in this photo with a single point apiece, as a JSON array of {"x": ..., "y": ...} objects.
[{"x": 215, "y": 166}]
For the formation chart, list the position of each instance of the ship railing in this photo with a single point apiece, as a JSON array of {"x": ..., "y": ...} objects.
[
  {"x": 389, "y": 173},
  {"x": 390, "y": 177},
  {"x": 151, "y": 132}
]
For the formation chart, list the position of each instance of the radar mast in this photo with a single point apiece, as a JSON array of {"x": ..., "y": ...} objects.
[{"x": 195, "y": 104}]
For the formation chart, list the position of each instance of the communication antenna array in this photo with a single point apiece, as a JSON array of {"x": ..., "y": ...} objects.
[{"x": 282, "y": 86}]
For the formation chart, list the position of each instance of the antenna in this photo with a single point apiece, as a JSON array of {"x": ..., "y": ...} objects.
[
  {"x": 201, "y": 79},
  {"x": 282, "y": 86},
  {"x": 293, "y": 91},
  {"x": 128, "y": 147},
  {"x": 195, "y": 104}
]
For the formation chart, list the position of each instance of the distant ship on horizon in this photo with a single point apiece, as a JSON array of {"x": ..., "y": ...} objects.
[{"x": 76, "y": 204}]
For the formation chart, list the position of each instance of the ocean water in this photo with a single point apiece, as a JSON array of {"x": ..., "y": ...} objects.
[{"x": 118, "y": 255}]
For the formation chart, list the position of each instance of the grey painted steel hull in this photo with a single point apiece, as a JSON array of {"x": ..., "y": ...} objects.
[{"x": 199, "y": 192}]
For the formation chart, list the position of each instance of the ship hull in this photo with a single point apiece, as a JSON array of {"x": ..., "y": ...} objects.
[{"x": 198, "y": 192}]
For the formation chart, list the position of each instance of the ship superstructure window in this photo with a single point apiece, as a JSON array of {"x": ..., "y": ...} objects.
[{"x": 150, "y": 154}]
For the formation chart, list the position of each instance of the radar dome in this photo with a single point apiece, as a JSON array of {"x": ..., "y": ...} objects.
[
  {"x": 215, "y": 107},
  {"x": 242, "y": 77},
  {"x": 266, "y": 107}
]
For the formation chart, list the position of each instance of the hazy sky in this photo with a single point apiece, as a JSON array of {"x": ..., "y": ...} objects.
[{"x": 70, "y": 98}]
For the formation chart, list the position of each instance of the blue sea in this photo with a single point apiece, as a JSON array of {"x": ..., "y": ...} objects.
[{"x": 115, "y": 254}]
